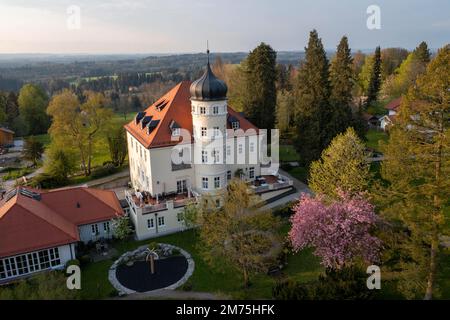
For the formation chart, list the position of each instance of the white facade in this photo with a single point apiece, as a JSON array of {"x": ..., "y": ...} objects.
[
  {"x": 32, "y": 262},
  {"x": 212, "y": 164},
  {"x": 96, "y": 231}
]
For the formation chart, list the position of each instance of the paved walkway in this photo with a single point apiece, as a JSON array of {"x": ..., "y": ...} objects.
[
  {"x": 173, "y": 294},
  {"x": 300, "y": 186}
]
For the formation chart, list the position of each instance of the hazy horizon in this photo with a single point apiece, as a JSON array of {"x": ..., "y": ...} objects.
[{"x": 157, "y": 27}]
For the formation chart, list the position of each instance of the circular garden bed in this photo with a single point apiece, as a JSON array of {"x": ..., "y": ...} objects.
[{"x": 132, "y": 271}]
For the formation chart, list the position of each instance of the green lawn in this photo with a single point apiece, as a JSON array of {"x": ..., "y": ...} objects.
[
  {"x": 226, "y": 280},
  {"x": 288, "y": 154},
  {"x": 374, "y": 137}
]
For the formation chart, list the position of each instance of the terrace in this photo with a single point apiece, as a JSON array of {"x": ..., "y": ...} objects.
[
  {"x": 270, "y": 183},
  {"x": 143, "y": 202}
]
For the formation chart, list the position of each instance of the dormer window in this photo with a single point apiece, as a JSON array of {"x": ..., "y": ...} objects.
[
  {"x": 176, "y": 132},
  {"x": 235, "y": 125},
  {"x": 175, "y": 128}
]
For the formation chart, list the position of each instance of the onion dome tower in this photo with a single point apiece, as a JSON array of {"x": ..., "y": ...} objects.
[{"x": 209, "y": 116}]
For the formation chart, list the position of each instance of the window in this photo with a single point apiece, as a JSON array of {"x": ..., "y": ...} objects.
[
  {"x": 140, "y": 151},
  {"x": 229, "y": 175},
  {"x": 150, "y": 223},
  {"x": 176, "y": 132},
  {"x": 30, "y": 262},
  {"x": 181, "y": 186},
  {"x": 205, "y": 183},
  {"x": 94, "y": 229},
  {"x": 106, "y": 226},
  {"x": 235, "y": 125},
  {"x": 215, "y": 110},
  {"x": 204, "y": 156},
  {"x": 131, "y": 141},
  {"x": 161, "y": 222},
  {"x": 145, "y": 156},
  {"x": 216, "y": 156},
  {"x": 252, "y": 147},
  {"x": 216, "y": 131},
  {"x": 252, "y": 173},
  {"x": 218, "y": 203},
  {"x": 240, "y": 148},
  {"x": 228, "y": 150},
  {"x": 202, "y": 110},
  {"x": 180, "y": 216},
  {"x": 217, "y": 182},
  {"x": 193, "y": 109},
  {"x": 204, "y": 132}
]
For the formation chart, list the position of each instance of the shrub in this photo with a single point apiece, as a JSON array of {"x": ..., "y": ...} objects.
[
  {"x": 345, "y": 284},
  {"x": 153, "y": 245},
  {"x": 187, "y": 286},
  {"x": 176, "y": 252},
  {"x": 104, "y": 171},
  {"x": 73, "y": 262},
  {"x": 85, "y": 259},
  {"x": 48, "y": 181}
]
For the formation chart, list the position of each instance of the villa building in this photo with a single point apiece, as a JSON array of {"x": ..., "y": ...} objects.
[
  {"x": 39, "y": 230},
  {"x": 187, "y": 144}
]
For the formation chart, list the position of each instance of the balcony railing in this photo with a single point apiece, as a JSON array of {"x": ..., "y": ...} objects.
[{"x": 139, "y": 206}]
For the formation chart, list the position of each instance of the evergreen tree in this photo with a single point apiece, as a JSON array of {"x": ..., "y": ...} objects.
[
  {"x": 375, "y": 78},
  {"x": 341, "y": 80},
  {"x": 312, "y": 105},
  {"x": 416, "y": 167},
  {"x": 261, "y": 86},
  {"x": 422, "y": 52}
]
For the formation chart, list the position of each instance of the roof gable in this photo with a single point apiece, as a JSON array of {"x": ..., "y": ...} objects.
[{"x": 177, "y": 110}]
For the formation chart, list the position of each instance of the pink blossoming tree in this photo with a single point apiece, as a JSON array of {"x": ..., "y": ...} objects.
[{"x": 339, "y": 231}]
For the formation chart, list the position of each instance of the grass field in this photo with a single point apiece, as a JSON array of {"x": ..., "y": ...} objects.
[
  {"x": 374, "y": 137},
  {"x": 226, "y": 280}
]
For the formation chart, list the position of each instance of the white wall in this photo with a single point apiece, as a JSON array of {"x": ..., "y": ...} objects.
[{"x": 87, "y": 235}]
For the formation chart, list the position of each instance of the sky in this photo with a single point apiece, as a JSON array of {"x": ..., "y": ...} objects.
[{"x": 181, "y": 26}]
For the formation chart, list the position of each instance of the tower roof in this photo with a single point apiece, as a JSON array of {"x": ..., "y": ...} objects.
[{"x": 208, "y": 87}]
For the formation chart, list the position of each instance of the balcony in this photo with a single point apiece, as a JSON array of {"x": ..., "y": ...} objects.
[
  {"x": 144, "y": 203},
  {"x": 271, "y": 183}
]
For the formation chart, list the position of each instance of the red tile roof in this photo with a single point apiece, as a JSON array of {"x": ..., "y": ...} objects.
[
  {"x": 28, "y": 224},
  {"x": 394, "y": 104},
  {"x": 178, "y": 109}
]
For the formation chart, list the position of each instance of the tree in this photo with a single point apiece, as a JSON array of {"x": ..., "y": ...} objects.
[
  {"x": 117, "y": 144},
  {"x": 405, "y": 76},
  {"x": 33, "y": 150},
  {"x": 342, "y": 167},
  {"x": 122, "y": 227},
  {"x": 365, "y": 74},
  {"x": 338, "y": 231},
  {"x": 32, "y": 108},
  {"x": 285, "y": 111},
  {"x": 79, "y": 127},
  {"x": 312, "y": 105},
  {"x": 239, "y": 233},
  {"x": 261, "y": 75},
  {"x": 60, "y": 164},
  {"x": 422, "y": 52},
  {"x": 342, "y": 81},
  {"x": 375, "y": 78},
  {"x": 391, "y": 59},
  {"x": 416, "y": 168},
  {"x": 237, "y": 86}
]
